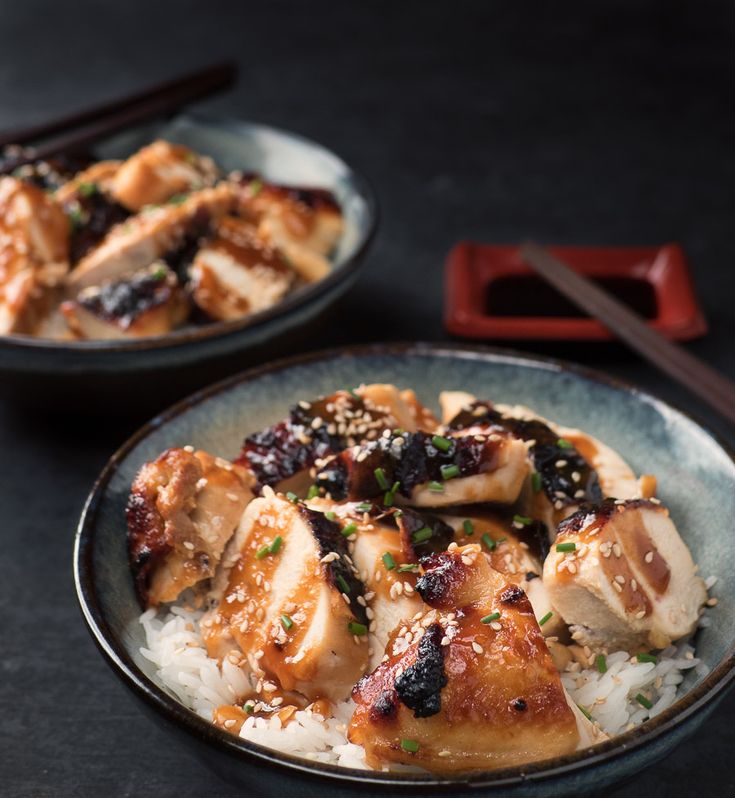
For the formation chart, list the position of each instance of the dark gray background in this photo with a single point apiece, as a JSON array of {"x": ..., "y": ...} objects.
[{"x": 605, "y": 123}]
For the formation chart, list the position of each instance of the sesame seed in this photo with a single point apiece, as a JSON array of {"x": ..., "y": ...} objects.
[
  {"x": 711, "y": 602},
  {"x": 576, "y": 476},
  {"x": 620, "y": 579},
  {"x": 445, "y": 640},
  {"x": 496, "y": 626},
  {"x": 617, "y": 587},
  {"x": 477, "y": 648},
  {"x": 649, "y": 557},
  {"x": 560, "y": 463}
]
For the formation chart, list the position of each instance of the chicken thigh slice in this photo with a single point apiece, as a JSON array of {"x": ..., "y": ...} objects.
[
  {"x": 291, "y": 602},
  {"x": 622, "y": 577},
  {"x": 471, "y": 685},
  {"x": 182, "y": 509}
]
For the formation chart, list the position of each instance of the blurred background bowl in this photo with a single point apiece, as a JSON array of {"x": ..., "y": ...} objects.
[{"x": 135, "y": 376}]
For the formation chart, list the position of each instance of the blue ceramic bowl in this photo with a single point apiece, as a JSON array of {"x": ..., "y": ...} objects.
[
  {"x": 696, "y": 477},
  {"x": 106, "y": 373}
]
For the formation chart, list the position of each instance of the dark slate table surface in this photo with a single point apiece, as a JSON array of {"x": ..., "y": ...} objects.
[{"x": 609, "y": 123}]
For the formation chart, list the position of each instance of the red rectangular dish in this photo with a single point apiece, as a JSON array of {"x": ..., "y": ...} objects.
[{"x": 491, "y": 293}]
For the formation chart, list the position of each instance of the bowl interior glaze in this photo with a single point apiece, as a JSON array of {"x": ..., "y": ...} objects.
[{"x": 696, "y": 476}]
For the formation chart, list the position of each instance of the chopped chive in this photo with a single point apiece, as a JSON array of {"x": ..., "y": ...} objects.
[
  {"x": 643, "y": 701},
  {"x": 422, "y": 534},
  {"x": 330, "y": 515},
  {"x": 536, "y": 482},
  {"x": 159, "y": 273},
  {"x": 488, "y": 541},
  {"x": 646, "y": 658},
  {"x": 177, "y": 199},
  {"x": 566, "y": 546},
  {"x": 410, "y": 745},
  {"x": 261, "y": 552},
  {"x": 356, "y": 628},
  {"x": 563, "y": 443},
  {"x": 249, "y": 708},
  {"x": 353, "y": 393},
  {"x": 292, "y": 497},
  {"x": 468, "y": 526},
  {"x": 388, "y": 561},
  {"x": 441, "y": 443},
  {"x": 524, "y": 520},
  {"x": 350, "y": 529},
  {"x": 584, "y": 712},
  {"x": 276, "y": 545},
  {"x": 380, "y": 478},
  {"x": 364, "y": 507},
  {"x": 546, "y": 618},
  {"x": 410, "y": 566},
  {"x": 87, "y": 189},
  {"x": 397, "y": 513},
  {"x": 255, "y": 187},
  {"x": 500, "y": 540},
  {"x": 313, "y": 492},
  {"x": 342, "y": 583},
  {"x": 490, "y": 618},
  {"x": 75, "y": 217},
  {"x": 601, "y": 663},
  {"x": 449, "y": 471},
  {"x": 286, "y": 622},
  {"x": 436, "y": 487},
  {"x": 388, "y": 499}
]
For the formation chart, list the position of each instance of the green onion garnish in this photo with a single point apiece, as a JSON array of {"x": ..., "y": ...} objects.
[
  {"x": 388, "y": 561},
  {"x": 350, "y": 529},
  {"x": 75, "y": 217},
  {"x": 563, "y": 443},
  {"x": 643, "y": 701},
  {"x": 330, "y": 515},
  {"x": 601, "y": 663},
  {"x": 490, "y": 618},
  {"x": 411, "y": 566},
  {"x": 546, "y": 618},
  {"x": 449, "y": 471},
  {"x": 356, "y": 628},
  {"x": 410, "y": 745},
  {"x": 536, "y": 483},
  {"x": 468, "y": 526},
  {"x": 261, "y": 552},
  {"x": 276, "y": 545},
  {"x": 380, "y": 478},
  {"x": 364, "y": 507},
  {"x": 255, "y": 187},
  {"x": 292, "y": 497},
  {"x": 566, "y": 546},
  {"x": 87, "y": 189},
  {"x": 522, "y": 519},
  {"x": 584, "y": 712},
  {"x": 436, "y": 487},
  {"x": 646, "y": 658},
  {"x": 286, "y": 622},
  {"x": 342, "y": 584},
  {"x": 423, "y": 534},
  {"x": 441, "y": 443},
  {"x": 388, "y": 499},
  {"x": 488, "y": 541},
  {"x": 313, "y": 492},
  {"x": 249, "y": 708},
  {"x": 397, "y": 513},
  {"x": 159, "y": 273},
  {"x": 177, "y": 199}
]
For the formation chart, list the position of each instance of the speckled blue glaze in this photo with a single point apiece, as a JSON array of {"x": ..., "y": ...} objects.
[{"x": 696, "y": 478}]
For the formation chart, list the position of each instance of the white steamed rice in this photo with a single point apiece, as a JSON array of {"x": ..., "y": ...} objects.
[{"x": 174, "y": 646}]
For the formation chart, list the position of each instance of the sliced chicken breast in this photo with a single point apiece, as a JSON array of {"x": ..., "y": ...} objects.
[
  {"x": 99, "y": 174},
  {"x": 34, "y": 255},
  {"x": 234, "y": 274},
  {"x": 149, "y": 235},
  {"x": 148, "y": 303},
  {"x": 305, "y": 224},
  {"x": 183, "y": 508},
  {"x": 315, "y": 430},
  {"x": 160, "y": 171},
  {"x": 516, "y": 548},
  {"x": 471, "y": 685},
  {"x": 622, "y": 577},
  {"x": 293, "y": 603},
  {"x": 429, "y": 471}
]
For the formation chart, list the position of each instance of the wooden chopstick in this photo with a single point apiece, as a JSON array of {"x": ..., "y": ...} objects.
[
  {"x": 691, "y": 372},
  {"x": 108, "y": 118}
]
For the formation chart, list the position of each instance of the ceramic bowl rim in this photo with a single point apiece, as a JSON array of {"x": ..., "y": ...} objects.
[
  {"x": 224, "y": 329},
  {"x": 710, "y": 688}
]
